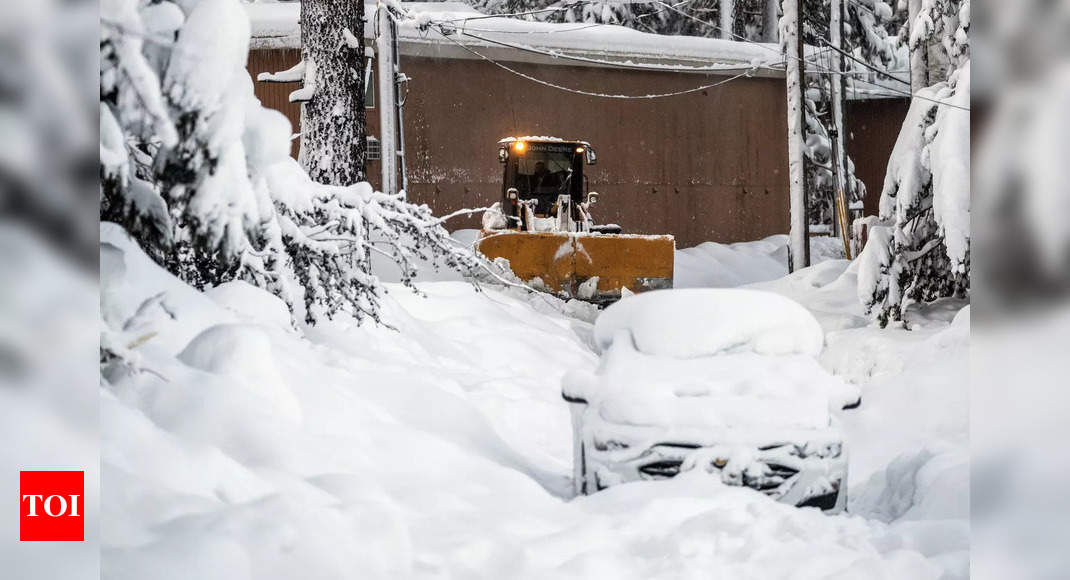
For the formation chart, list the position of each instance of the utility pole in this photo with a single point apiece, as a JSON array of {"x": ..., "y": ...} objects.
[
  {"x": 840, "y": 221},
  {"x": 386, "y": 31},
  {"x": 799, "y": 233}
]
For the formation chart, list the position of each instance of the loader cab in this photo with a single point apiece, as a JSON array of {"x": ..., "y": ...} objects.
[{"x": 541, "y": 170}]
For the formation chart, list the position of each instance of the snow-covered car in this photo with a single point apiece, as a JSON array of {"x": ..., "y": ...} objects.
[{"x": 723, "y": 381}]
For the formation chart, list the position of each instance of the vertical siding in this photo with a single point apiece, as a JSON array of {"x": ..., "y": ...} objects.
[
  {"x": 276, "y": 95},
  {"x": 705, "y": 166},
  {"x": 873, "y": 127}
]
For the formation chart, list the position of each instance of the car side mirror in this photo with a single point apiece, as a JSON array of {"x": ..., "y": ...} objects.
[
  {"x": 503, "y": 154},
  {"x": 592, "y": 197},
  {"x": 592, "y": 158}
]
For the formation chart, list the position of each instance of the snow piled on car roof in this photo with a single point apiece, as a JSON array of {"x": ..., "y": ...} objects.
[{"x": 697, "y": 322}]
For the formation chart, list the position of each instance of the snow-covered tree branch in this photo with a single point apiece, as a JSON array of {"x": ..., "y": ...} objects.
[
  {"x": 921, "y": 250},
  {"x": 199, "y": 173}
]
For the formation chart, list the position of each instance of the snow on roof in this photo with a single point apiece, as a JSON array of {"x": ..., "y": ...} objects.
[
  {"x": 543, "y": 139},
  {"x": 276, "y": 25},
  {"x": 474, "y": 35}
]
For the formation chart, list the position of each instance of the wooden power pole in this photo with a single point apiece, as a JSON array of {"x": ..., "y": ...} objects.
[
  {"x": 799, "y": 233},
  {"x": 840, "y": 218}
]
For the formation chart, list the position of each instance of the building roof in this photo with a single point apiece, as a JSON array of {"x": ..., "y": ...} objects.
[
  {"x": 475, "y": 35},
  {"x": 276, "y": 25}
]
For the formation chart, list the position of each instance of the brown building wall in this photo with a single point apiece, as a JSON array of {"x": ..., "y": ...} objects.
[
  {"x": 703, "y": 166},
  {"x": 873, "y": 127}
]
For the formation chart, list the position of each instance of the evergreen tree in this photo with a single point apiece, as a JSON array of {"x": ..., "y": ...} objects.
[
  {"x": 200, "y": 175},
  {"x": 920, "y": 250}
]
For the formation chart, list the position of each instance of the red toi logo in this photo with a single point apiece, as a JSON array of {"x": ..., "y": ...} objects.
[{"x": 52, "y": 506}]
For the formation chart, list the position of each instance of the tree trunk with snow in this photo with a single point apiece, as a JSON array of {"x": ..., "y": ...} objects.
[
  {"x": 727, "y": 17},
  {"x": 919, "y": 50},
  {"x": 770, "y": 29},
  {"x": 333, "y": 122}
]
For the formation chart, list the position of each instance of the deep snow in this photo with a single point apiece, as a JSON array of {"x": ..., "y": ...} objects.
[{"x": 251, "y": 449}]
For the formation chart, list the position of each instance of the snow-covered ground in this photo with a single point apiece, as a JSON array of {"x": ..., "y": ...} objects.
[
  {"x": 716, "y": 265},
  {"x": 442, "y": 449}
]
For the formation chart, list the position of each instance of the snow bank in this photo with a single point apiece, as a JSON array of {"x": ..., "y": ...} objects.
[
  {"x": 251, "y": 303},
  {"x": 699, "y": 322},
  {"x": 828, "y": 290},
  {"x": 716, "y": 265}
]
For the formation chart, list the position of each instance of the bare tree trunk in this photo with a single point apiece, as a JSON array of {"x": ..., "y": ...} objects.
[
  {"x": 332, "y": 126},
  {"x": 771, "y": 23}
]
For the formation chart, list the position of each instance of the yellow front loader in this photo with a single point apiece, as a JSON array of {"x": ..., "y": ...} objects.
[{"x": 543, "y": 227}]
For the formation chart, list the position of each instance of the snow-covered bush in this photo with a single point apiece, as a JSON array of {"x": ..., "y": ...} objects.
[
  {"x": 199, "y": 172},
  {"x": 922, "y": 251}
]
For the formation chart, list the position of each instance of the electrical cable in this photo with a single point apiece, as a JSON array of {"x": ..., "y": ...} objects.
[
  {"x": 616, "y": 64},
  {"x": 592, "y": 93},
  {"x": 913, "y": 95}
]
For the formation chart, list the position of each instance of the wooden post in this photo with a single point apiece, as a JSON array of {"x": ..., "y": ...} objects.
[
  {"x": 837, "y": 133},
  {"x": 799, "y": 233}
]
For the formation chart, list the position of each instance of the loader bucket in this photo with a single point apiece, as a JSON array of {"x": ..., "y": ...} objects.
[{"x": 591, "y": 267}]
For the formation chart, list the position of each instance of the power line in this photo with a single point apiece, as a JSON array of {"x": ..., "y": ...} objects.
[
  {"x": 862, "y": 62},
  {"x": 764, "y": 46},
  {"x": 747, "y": 73},
  {"x": 829, "y": 71},
  {"x": 569, "y": 6},
  {"x": 913, "y": 95},
  {"x": 616, "y": 64},
  {"x": 591, "y": 93},
  {"x": 717, "y": 27},
  {"x": 556, "y": 31}
]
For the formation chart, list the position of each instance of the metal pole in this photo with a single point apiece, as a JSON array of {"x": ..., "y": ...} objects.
[
  {"x": 799, "y": 234},
  {"x": 399, "y": 103},
  {"x": 384, "y": 49}
]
